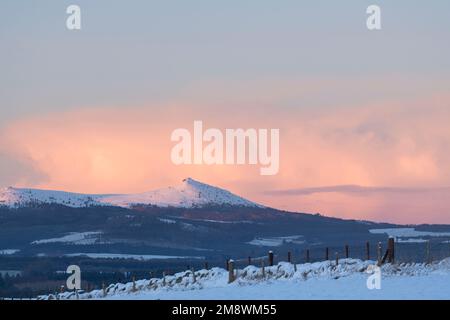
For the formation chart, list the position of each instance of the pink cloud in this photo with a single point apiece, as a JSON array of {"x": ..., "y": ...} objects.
[{"x": 405, "y": 144}]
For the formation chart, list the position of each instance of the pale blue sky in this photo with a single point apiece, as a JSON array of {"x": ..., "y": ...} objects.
[
  {"x": 92, "y": 110},
  {"x": 137, "y": 52}
]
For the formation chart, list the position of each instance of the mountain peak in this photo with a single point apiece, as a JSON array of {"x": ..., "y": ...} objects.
[
  {"x": 189, "y": 182},
  {"x": 190, "y": 193},
  {"x": 194, "y": 183}
]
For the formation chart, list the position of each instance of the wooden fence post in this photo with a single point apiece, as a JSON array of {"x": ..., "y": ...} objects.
[
  {"x": 289, "y": 257},
  {"x": 194, "y": 279},
  {"x": 206, "y": 265},
  {"x": 270, "y": 258},
  {"x": 227, "y": 264},
  {"x": 249, "y": 261},
  {"x": 104, "y": 289},
  {"x": 367, "y": 250},
  {"x": 337, "y": 258},
  {"x": 230, "y": 271},
  {"x": 391, "y": 249},
  {"x": 326, "y": 253},
  {"x": 164, "y": 279},
  {"x": 134, "y": 284},
  {"x": 307, "y": 255},
  {"x": 150, "y": 279},
  {"x": 263, "y": 268},
  {"x": 379, "y": 253},
  {"x": 346, "y": 251}
]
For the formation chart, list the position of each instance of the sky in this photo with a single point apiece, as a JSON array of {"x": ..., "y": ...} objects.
[{"x": 363, "y": 115}]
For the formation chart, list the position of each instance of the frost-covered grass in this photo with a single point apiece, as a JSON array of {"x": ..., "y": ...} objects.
[{"x": 320, "y": 280}]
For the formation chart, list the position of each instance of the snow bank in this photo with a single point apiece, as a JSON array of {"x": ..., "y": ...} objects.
[{"x": 211, "y": 284}]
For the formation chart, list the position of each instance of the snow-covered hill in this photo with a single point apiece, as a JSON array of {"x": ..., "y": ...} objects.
[
  {"x": 320, "y": 280},
  {"x": 189, "y": 193},
  {"x": 17, "y": 197}
]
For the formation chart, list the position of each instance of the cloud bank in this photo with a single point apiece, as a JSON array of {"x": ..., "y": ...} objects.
[{"x": 398, "y": 150}]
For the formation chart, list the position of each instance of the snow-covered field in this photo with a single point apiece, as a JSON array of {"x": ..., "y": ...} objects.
[
  {"x": 76, "y": 238},
  {"x": 408, "y": 232},
  {"x": 276, "y": 241},
  {"x": 410, "y": 235},
  {"x": 321, "y": 280},
  {"x": 6, "y": 252},
  {"x": 142, "y": 257}
]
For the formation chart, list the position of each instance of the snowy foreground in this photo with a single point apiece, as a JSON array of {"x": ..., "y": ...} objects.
[{"x": 321, "y": 280}]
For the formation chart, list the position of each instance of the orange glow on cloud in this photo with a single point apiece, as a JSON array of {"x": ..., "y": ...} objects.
[{"x": 121, "y": 150}]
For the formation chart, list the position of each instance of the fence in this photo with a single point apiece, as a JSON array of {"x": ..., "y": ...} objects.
[
  {"x": 390, "y": 251},
  {"x": 430, "y": 252}
]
